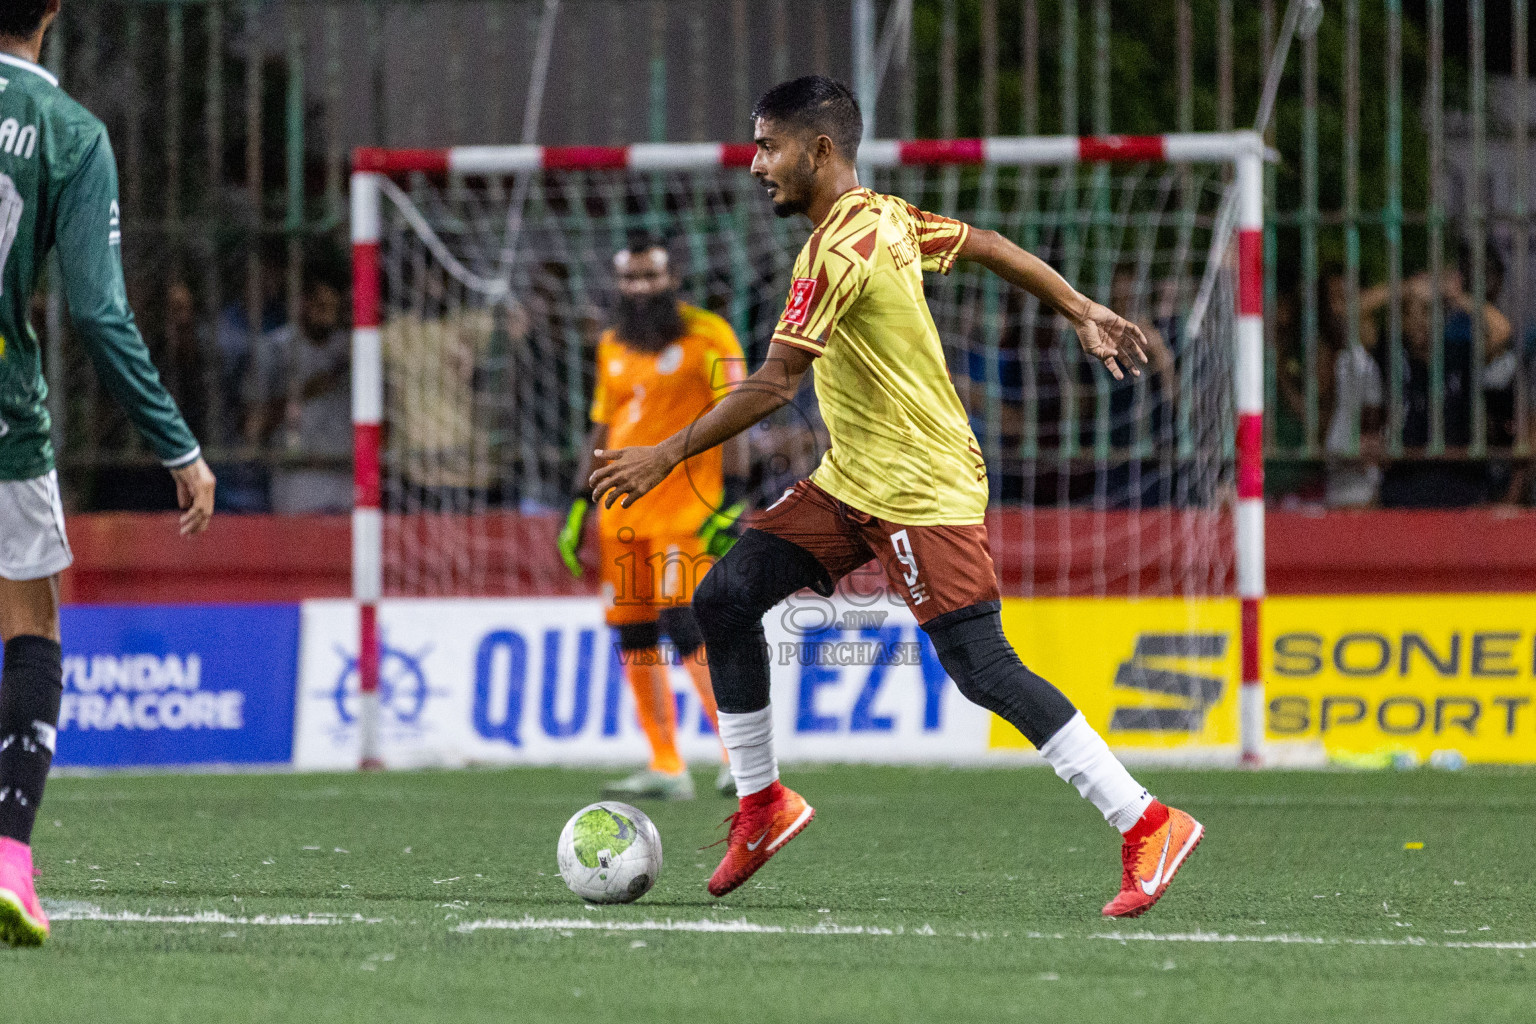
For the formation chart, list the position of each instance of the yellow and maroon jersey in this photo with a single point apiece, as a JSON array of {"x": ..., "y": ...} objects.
[
  {"x": 646, "y": 397},
  {"x": 902, "y": 447}
]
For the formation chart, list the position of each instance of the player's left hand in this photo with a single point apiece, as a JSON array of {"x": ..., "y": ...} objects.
[
  {"x": 194, "y": 494},
  {"x": 1112, "y": 340},
  {"x": 627, "y": 474}
]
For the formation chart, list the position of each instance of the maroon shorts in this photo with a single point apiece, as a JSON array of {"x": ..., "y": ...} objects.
[{"x": 936, "y": 569}]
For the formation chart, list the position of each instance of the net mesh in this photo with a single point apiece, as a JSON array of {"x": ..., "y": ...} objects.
[{"x": 495, "y": 291}]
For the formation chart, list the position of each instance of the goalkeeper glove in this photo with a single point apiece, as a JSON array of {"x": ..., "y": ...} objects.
[
  {"x": 569, "y": 542},
  {"x": 722, "y": 529}
]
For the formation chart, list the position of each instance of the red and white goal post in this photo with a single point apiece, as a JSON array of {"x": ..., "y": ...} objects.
[{"x": 498, "y": 250}]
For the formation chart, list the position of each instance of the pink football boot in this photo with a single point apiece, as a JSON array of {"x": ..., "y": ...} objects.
[{"x": 22, "y": 921}]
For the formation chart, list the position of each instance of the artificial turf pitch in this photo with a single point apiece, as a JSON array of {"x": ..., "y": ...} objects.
[{"x": 917, "y": 894}]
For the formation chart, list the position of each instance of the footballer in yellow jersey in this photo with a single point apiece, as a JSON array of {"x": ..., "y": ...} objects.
[{"x": 903, "y": 481}]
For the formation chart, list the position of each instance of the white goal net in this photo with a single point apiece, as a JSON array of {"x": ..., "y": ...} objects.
[{"x": 495, "y": 286}]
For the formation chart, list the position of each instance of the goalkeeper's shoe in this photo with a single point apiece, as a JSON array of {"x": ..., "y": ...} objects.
[
  {"x": 22, "y": 921},
  {"x": 651, "y": 784},
  {"x": 1152, "y": 854},
  {"x": 765, "y": 822},
  {"x": 725, "y": 782}
]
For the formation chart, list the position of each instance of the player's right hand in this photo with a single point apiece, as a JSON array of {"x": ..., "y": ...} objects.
[
  {"x": 194, "y": 495},
  {"x": 569, "y": 541},
  {"x": 1112, "y": 340}
]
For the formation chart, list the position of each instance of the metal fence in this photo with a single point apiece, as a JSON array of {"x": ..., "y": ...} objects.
[{"x": 1402, "y": 131}]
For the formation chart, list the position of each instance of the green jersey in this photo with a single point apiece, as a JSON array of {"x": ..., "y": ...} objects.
[{"x": 58, "y": 187}]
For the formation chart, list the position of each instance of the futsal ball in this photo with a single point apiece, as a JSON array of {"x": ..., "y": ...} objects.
[{"x": 610, "y": 853}]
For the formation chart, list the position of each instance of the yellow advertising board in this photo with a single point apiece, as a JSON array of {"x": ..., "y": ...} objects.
[
  {"x": 1155, "y": 674},
  {"x": 1417, "y": 673},
  {"x": 1352, "y": 675}
]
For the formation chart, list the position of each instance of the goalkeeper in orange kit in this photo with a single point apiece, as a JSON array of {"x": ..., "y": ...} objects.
[{"x": 659, "y": 367}]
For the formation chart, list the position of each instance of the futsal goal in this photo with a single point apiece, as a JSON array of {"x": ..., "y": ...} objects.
[{"x": 481, "y": 276}]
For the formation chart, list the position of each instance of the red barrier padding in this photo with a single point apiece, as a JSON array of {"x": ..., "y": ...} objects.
[
  {"x": 1120, "y": 148},
  {"x": 400, "y": 161},
  {"x": 942, "y": 151},
  {"x": 585, "y": 158},
  {"x": 129, "y": 558},
  {"x": 1250, "y": 273},
  {"x": 737, "y": 154}
]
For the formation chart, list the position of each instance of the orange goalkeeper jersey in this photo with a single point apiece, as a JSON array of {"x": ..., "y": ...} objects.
[
  {"x": 902, "y": 447},
  {"x": 646, "y": 397}
]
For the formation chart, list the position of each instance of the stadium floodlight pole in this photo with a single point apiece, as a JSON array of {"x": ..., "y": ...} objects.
[{"x": 367, "y": 415}]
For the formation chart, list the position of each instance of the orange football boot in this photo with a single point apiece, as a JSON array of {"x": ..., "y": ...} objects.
[
  {"x": 765, "y": 822},
  {"x": 1152, "y": 854}
]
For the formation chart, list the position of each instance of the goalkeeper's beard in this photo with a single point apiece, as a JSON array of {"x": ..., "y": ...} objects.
[{"x": 651, "y": 323}]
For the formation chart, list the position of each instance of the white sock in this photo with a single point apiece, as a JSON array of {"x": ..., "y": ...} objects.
[
  {"x": 748, "y": 740},
  {"x": 1081, "y": 757}
]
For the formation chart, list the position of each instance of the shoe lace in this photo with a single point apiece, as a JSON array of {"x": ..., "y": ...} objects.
[
  {"x": 730, "y": 822},
  {"x": 1130, "y": 857}
]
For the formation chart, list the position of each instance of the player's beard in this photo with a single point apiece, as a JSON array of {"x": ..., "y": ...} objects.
[
  {"x": 798, "y": 185},
  {"x": 651, "y": 323}
]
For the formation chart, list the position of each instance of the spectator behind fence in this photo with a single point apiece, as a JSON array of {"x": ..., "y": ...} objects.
[
  {"x": 300, "y": 402},
  {"x": 243, "y": 485},
  {"x": 1450, "y": 482},
  {"x": 183, "y": 355},
  {"x": 1352, "y": 386}
]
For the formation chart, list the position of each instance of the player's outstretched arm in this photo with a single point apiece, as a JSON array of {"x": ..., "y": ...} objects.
[
  {"x": 626, "y": 474},
  {"x": 1104, "y": 335}
]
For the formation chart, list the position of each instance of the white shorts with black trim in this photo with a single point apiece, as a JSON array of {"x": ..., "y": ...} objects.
[{"x": 32, "y": 541}]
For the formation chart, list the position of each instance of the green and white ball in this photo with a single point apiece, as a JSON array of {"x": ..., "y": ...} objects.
[{"x": 610, "y": 853}]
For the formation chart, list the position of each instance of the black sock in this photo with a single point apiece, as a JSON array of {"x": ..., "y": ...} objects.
[{"x": 31, "y": 687}]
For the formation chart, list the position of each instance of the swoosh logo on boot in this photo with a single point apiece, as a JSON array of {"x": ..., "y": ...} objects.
[
  {"x": 752, "y": 846},
  {"x": 1150, "y": 887}
]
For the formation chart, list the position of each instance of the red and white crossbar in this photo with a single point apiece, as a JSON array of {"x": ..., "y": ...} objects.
[
  {"x": 1222, "y": 147},
  {"x": 1243, "y": 150}
]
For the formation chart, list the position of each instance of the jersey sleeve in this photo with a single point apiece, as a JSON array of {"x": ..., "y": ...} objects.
[
  {"x": 826, "y": 282},
  {"x": 89, "y": 244},
  {"x": 600, "y": 412},
  {"x": 939, "y": 239}
]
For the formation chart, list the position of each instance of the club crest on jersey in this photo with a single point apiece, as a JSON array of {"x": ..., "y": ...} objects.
[
  {"x": 802, "y": 292},
  {"x": 671, "y": 358}
]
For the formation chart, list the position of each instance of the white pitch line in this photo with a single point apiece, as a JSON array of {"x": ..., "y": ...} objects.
[
  {"x": 207, "y": 917},
  {"x": 85, "y": 912},
  {"x": 743, "y": 926},
  {"x": 738, "y": 926}
]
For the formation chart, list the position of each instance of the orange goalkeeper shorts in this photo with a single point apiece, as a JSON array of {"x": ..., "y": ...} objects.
[{"x": 644, "y": 575}]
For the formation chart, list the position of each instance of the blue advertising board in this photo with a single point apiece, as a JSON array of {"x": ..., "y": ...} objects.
[{"x": 150, "y": 685}]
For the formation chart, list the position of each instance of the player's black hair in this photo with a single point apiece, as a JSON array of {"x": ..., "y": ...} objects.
[
  {"x": 20, "y": 18},
  {"x": 817, "y": 103}
]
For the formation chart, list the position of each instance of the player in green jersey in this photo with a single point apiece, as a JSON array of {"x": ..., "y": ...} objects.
[{"x": 58, "y": 189}]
